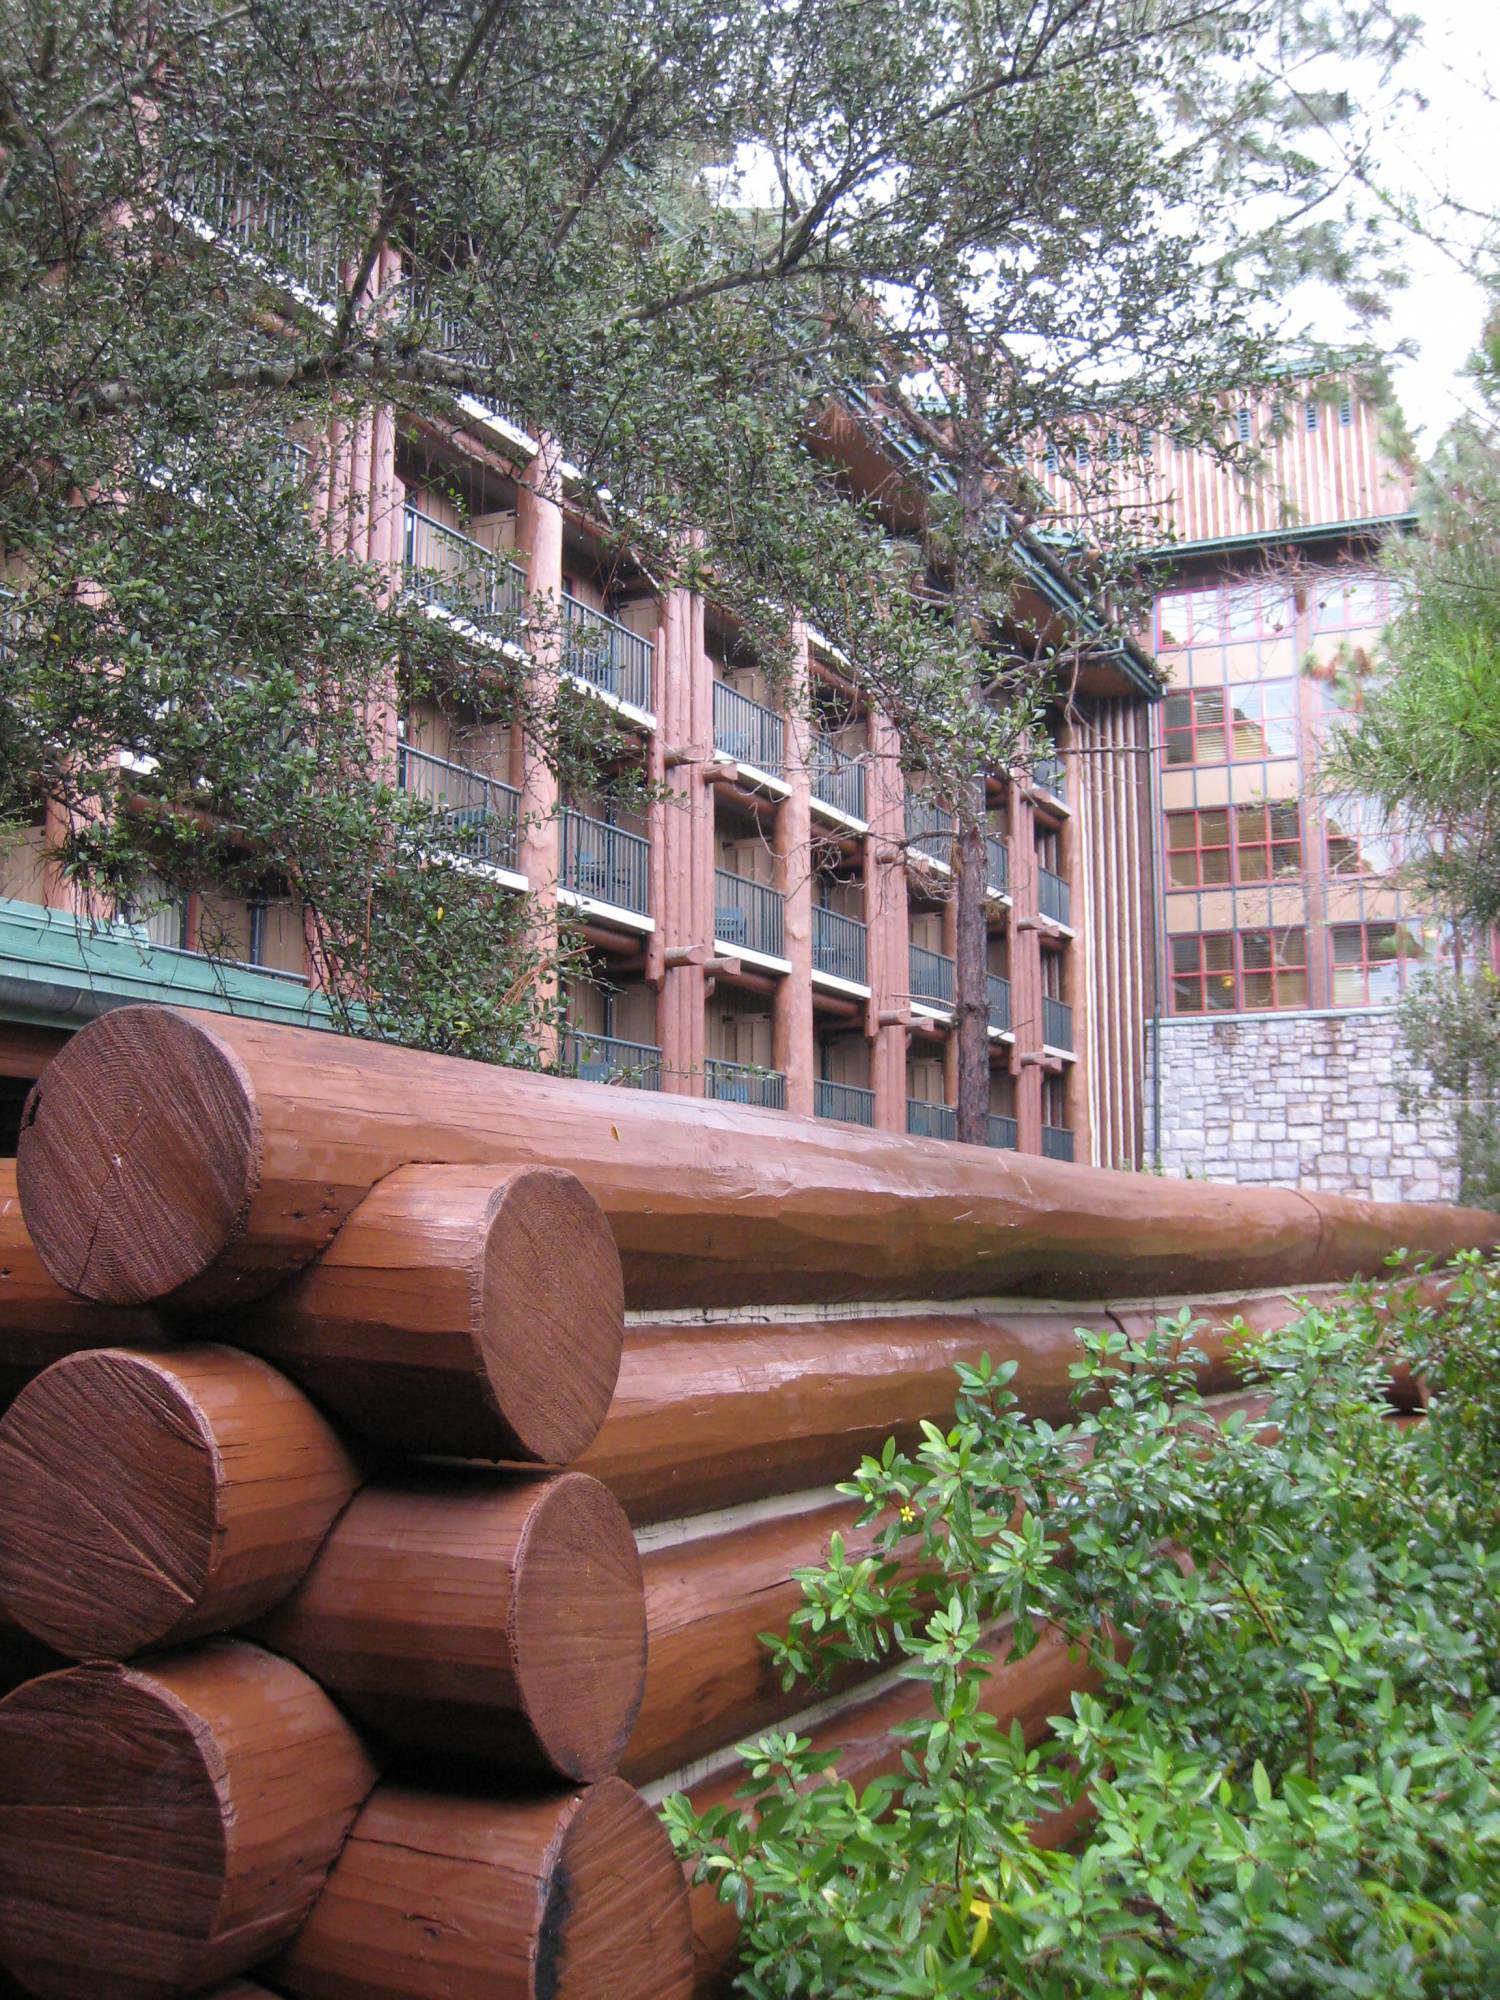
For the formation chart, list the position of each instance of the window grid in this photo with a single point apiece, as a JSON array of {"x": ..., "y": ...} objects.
[
  {"x": 1250, "y": 971},
  {"x": 1370, "y": 962},
  {"x": 1238, "y": 723}
]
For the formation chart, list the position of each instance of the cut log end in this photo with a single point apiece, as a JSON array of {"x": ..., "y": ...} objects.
[
  {"x": 578, "y": 1627},
  {"x": 616, "y": 1919},
  {"x": 133, "y": 1187},
  {"x": 553, "y": 1314},
  {"x": 149, "y": 1498},
  {"x": 162, "y": 1829}
]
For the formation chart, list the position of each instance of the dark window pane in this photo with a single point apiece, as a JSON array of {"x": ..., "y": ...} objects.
[
  {"x": 1346, "y": 944},
  {"x": 1291, "y": 946},
  {"x": 1184, "y": 954},
  {"x": 1291, "y": 989},
  {"x": 1180, "y": 830},
  {"x": 1255, "y": 949},
  {"x": 1286, "y": 823},
  {"x": 1209, "y": 705},
  {"x": 1213, "y": 828},
  {"x": 1187, "y": 996},
  {"x": 1253, "y": 865},
  {"x": 1383, "y": 941},
  {"x": 1258, "y": 991},
  {"x": 1182, "y": 870},
  {"x": 1177, "y": 711},
  {"x": 1180, "y": 748},
  {"x": 1215, "y": 866},
  {"x": 1221, "y": 997},
  {"x": 1218, "y": 953}
]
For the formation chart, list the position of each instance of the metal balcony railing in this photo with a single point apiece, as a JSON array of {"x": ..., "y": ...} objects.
[
  {"x": 1057, "y": 1023},
  {"x": 838, "y": 945},
  {"x": 837, "y": 778},
  {"x": 744, "y": 1083},
  {"x": 605, "y": 862},
  {"x": 449, "y": 336},
  {"x": 931, "y": 976},
  {"x": 1051, "y": 774},
  {"x": 606, "y": 1059},
  {"x": 748, "y": 913},
  {"x": 997, "y": 864},
  {"x": 293, "y": 461},
  {"x": 1002, "y": 1133},
  {"x": 450, "y": 569},
  {"x": 1053, "y": 898},
  {"x": 246, "y": 205},
  {"x": 480, "y": 816},
  {"x": 931, "y": 1121},
  {"x": 605, "y": 653},
  {"x": 851, "y": 1103},
  {"x": 748, "y": 731},
  {"x": 999, "y": 990},
  {"x": 929, "y": 827},
  {"x": 1057, "y": 1142}
]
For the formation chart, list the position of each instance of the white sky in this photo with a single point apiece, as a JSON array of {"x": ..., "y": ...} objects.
[{"x": 1452, "y": 146}]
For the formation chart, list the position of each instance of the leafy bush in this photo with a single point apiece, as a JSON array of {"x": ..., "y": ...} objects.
[{"x": 1293, "y": 1752}]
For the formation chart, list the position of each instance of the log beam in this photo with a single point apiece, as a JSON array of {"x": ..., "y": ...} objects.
[{"x": 196, "y": 1159}]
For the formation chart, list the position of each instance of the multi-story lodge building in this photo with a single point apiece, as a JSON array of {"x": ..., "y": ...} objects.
[
  {"x": 1286, "y": 934},
  {"x": 778, "y": 929}
]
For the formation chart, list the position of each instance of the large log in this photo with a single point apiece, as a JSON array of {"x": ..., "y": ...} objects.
[
  {"x": 196, "y": 1159},
  {"x": 1028, "y": 1691},
  {"x": 39, "y": 1321},
  {"x": 440, "y": 1897},
  {"x": 480, "y": 1617},
  {"x": 710, "y": 1682},
  {"x": 470, "y": 1311},
  {"x": 163, "y": 1828},
  {"x": 151, "y": 1497}
]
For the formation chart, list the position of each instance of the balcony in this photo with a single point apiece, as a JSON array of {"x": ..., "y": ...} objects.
[
  {"x": 748, "y": 731},
  {"x": 931, "y": 1121},
  {"x": 453, "y": 572},
  {"x": 606, "y": 1059},
  {"x": 850, "y": 1103},
  {"x": 1057, "y": 1024},
  {"x": 1057, "y": 1142},
  {"x": 1050, "y": 774},
  {"x": 606, "y": 654},
  {"x": 243, "y": 204},
  {"x": 744, "y": 1083},
  {"x": 997, "y": 864},
  {"x": 605, "y": 863},
  {"x": 929, "y": 828},
  {"x": 838, "y": 946},
  {"x": 1053, "y": 898},
  {"x": 837, "y": 779},
  {"x": 999, "y": 992},
  {"x": 1002, "y": 1133},
  {"x": 480, "y": 816},
  {"x": 931, "y": 977},
  {"x": 748, "y": 914}
]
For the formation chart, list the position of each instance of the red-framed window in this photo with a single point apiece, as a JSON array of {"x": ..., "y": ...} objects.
[
  {"x": 1226, "y": 972},
  {"x": 1370, "y": 962},
  {"x": 1231, "y": 724},
  {"x": 1357, "y": 842},
  {"x": 1216, "y": 614},
  {"x": 1342, "y": 603},
  {"x": 1211, "y": 846}
]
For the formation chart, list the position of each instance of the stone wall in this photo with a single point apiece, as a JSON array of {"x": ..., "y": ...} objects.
[{"x": 1306, "y": 1099}]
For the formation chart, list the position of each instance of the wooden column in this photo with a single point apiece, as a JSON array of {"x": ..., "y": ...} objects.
[
  {"x": 539, "y": 532},
  {"x": 886, "y": 914},
  {"x": 1025, "y": 972},
  {"x": 791, "y": 1000},
  {"x": 680, "y": 722}
]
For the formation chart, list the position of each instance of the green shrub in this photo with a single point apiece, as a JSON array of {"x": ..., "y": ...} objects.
[{"x": 1292, "y": 1759}]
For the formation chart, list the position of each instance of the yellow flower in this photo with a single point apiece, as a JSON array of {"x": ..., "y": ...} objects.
[
  {"x": 979, "y": 1909},
  {"x": 908, "y": 1515},
  {"x": 437, "y": 915}
]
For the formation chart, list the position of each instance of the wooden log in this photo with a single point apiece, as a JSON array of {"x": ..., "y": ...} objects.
[
  {"x": 164, "y": 1828},
  {"x": 1028, "y": 1691},
  {"x": 448, "y": 1897},
  {"x": 196, "y": 1159},
  {"x": 39, "y": 1321},
  {"x": 710, "y": 1416},
  {"x": 710, "y": 1681},
  {"x": 470, "y": 1311},
  {"x": 151, "y": 1497},
  {"x": 501, "y": 1620}
]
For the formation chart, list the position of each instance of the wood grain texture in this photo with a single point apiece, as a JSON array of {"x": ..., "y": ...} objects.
[
  {"x": 39, "y": 1321},
  {"x": 480, "y": 1617},
  {"x": 163, "y": 1828},
  {"x": 475, "y": 1312},
  {"x": 449, "y": 1897},
  {"x": 710, "y": 1682},
  {"x": 197, "y": 1159},
  {"x": 147, "y": 1498},
  {"x": 707, "y": 1417},
  {"x": 1028, "y": 1691}
]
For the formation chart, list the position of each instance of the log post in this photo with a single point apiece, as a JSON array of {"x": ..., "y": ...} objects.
[
  {"x": 163, "y": 1828},
  {"x": 500, "y": 1620},
  {"x": 471, "y": 1311},
  {"x": 439, "y": 1897},
  {"x": 39, "y": 1321},
  {"x": 197, "y": 1159},
  {"x": 148, "y": 1498}
]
